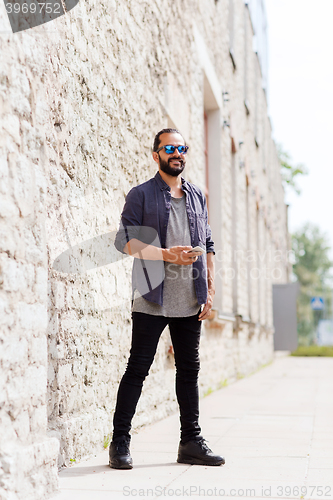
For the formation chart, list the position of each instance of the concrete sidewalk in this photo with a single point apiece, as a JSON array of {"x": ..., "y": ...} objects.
[{"x": 275, "y": 429}]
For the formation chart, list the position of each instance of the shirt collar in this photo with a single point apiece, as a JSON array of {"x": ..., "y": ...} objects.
[{"x": 163, "y": 185}]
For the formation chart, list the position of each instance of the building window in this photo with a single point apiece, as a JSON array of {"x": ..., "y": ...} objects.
[
  {"x": 249, "y": 264},
  {"x": 234, "y": 228},
  {"x": 246, "y": 56},
  {"x": 206, "y": 158},
  {"x": 231, "y": 26}
]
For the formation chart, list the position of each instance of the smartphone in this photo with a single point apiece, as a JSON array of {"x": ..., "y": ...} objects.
[{"x": 197, "y": 249}]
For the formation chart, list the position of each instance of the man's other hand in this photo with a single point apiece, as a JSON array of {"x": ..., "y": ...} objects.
[{"x": 206, "y": 312}]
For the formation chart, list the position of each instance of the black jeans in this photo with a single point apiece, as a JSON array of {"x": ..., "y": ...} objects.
[{"x": 185, "y": 336}]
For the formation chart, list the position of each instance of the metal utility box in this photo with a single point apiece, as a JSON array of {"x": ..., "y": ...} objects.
[{"x": 285, "y": 316}]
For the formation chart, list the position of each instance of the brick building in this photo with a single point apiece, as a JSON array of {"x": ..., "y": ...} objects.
[{"x": 81, "y": 99}]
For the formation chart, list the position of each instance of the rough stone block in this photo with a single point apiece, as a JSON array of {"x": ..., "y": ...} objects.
[
  {"x": 32, "y": 316},
  {"x": 13, "y": 274}
]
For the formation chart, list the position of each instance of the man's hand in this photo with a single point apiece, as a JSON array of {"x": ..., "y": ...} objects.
[
  {"x": 179, "y": 255},
  {"x": 175, "y": 255},
  {"x": 205, "y": 313}
]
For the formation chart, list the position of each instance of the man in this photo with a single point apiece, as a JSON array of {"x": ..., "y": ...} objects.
[{"x": 162, "y": 220}]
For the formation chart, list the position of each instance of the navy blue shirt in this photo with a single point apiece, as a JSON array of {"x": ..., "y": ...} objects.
[{"x": 145, "y": 217}]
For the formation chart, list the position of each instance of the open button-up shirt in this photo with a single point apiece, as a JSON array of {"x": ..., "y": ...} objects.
[{"x": 145, "y": 217}]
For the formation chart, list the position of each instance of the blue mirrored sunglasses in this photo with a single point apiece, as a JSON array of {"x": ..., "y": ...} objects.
[{"x": 182, "y": 150}]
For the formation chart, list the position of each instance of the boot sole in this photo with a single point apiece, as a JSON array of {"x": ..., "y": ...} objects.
[
  {"x": 123, "y": 466},
  {"x": 197, "y": 461}
]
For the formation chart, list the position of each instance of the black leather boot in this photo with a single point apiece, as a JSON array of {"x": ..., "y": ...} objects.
[
  {"x": 119, "y": 454},
  {"x": 197, "y": 453}
]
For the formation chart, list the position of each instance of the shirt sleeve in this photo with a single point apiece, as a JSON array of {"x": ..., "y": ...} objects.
[
  {"x": 131, "y": 219},
  {"x": 209, "y": 241}
]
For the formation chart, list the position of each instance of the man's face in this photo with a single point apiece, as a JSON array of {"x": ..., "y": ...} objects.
[{"x": 172, "y": 164}]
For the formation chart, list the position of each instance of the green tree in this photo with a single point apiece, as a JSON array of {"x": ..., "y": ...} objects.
[
  {"x": 312, "y": 268},
  {"x": 289, "y": 171}
]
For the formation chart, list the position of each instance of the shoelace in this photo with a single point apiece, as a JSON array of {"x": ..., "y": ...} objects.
[
  {"x": 122, "y": 447},
  {"x": 204, "y": 446}
]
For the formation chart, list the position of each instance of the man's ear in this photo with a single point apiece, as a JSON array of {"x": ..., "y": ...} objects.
[{"x": 155, "y": 157}]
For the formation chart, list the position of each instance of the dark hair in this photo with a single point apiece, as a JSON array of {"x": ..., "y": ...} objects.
[{"x": 157, "y": 140}]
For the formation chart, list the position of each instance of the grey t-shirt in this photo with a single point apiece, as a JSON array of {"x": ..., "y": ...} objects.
[{"x": 179, "y": 297}]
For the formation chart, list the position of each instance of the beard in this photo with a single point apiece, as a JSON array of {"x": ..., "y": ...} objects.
[{"x": 168, "y": 169}]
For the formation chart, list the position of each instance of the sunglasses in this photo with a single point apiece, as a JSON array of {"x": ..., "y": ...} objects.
[{"x": 182, "y": 150}]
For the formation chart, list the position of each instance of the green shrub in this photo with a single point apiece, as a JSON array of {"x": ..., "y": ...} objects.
[{"x": 313, "y": 350}]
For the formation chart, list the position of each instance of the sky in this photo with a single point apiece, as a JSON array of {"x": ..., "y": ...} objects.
[{"x": 300, "y": 97}]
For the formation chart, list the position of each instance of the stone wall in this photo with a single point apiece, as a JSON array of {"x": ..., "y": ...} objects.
[{"x": 81, "y": 99}]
